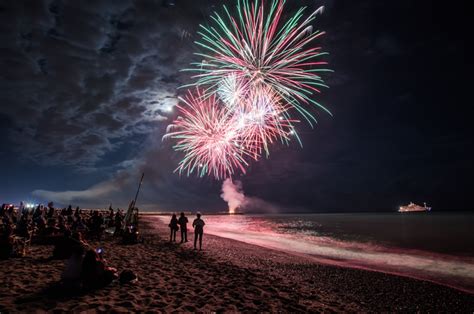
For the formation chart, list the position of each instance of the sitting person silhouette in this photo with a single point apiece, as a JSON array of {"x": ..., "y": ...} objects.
[
  {"x": 71, "y": 276},
  {"x": 95, "y": 273}
]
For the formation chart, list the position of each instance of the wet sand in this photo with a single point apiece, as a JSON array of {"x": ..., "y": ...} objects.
[{"x": 226, "y": 276}]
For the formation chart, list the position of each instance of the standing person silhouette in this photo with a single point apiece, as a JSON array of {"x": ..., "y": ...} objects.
[
  {"x": 198, "y": 225},
  {"x": 183, "y": 225},
  {"x": 173, "y": 228}
]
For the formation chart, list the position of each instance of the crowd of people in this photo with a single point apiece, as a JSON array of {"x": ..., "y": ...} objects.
[
  {"x": 45, "y": 223},
  {"x": 68, "y": 230}
]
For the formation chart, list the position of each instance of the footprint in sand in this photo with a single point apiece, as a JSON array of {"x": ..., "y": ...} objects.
[
  {"x": 126, "y": 304},
  {"x": 188, "y": 308}
]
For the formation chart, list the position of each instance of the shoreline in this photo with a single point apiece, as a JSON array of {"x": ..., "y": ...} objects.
[
  {"x": 227, "y": 275},
  {"x": 374, "y": 263},
  {"x": 319, "y": 262},
  {"x": 467, "y": 287}
]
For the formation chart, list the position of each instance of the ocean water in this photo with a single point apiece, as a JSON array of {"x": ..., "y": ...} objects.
[{"x": 433, "y": 246}]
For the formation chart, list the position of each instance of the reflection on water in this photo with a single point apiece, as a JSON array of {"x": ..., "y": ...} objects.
[{"x": 432, "y": 246}]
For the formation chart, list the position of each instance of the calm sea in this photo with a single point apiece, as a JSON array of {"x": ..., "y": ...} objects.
[{"x": 432, "y": 246}]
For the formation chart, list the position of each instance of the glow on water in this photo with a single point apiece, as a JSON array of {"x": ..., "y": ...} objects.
[{"x": 309, "y": 236}]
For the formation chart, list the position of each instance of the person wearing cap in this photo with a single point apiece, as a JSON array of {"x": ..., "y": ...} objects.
[{"x": 198, "y": 225}]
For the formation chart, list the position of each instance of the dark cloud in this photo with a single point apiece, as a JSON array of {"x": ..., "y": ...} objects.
[
  {"x": 77, "y": 76},
  {"x": 86, "y": 89}
]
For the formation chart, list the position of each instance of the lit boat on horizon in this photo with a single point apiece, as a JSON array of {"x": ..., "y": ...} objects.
[{"x": 412, "y": 207}]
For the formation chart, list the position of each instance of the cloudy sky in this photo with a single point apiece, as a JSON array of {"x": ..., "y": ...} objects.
[{"x": 87, "y": 89}]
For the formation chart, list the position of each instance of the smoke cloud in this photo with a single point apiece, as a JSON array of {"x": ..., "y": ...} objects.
[
  {"x": 234, "y": 196},
  {"x": 98, "y": 191}
]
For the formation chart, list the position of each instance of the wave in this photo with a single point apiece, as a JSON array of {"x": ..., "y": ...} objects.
[{"x": 453, "y": 271}]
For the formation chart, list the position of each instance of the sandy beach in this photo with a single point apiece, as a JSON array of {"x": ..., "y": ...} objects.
[{"x": 227, "y": 276}]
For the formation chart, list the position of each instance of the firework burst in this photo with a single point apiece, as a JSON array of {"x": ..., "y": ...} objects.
[
  {"x": 256, "y": 71},
  {"x": 258, "y": 47},
  {"x": 262, "y": 119},
  {"x": 206, "y": 133}
]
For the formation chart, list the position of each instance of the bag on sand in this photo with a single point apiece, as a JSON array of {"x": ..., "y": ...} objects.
[{"x": 128, "y": 276}]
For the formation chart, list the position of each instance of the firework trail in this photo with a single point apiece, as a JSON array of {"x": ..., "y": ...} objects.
[
  {"x": 256, "y": 71},
  {"x": 231, "y": 91},
  {"x": 206, "y": 133},
  {"x": 260, "y": 114},
  {"x": 262, "y": 119},
  {"x": 259, "y": 48}
]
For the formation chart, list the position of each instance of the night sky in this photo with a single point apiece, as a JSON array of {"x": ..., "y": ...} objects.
[{"x": 86, "y": 89}]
